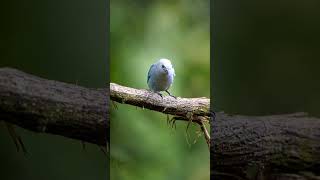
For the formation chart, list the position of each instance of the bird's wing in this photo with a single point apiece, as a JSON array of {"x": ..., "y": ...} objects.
[{"x": 149, "y": 72}]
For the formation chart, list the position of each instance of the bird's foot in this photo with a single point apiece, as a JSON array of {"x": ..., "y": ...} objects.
[
  {"x": 160, "y": 94},
  {"x": 170, "y": 94}
]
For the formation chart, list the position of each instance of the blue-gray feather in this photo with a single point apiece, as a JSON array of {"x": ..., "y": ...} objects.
[
  {"x": 160, "y": 75},
  {"x": 149, "y": 72}
]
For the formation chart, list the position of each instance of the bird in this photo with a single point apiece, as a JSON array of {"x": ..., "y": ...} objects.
[{"x": 160, "y": 76}]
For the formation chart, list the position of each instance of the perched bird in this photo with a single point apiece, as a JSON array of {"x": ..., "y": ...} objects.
[{"x": 160, "y": 76}]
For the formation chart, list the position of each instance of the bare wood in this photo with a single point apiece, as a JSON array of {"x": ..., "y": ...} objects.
[
  {"x": 195, "y": 110},
  {"x": 182, "y": 107},
  {"x": 277, "y": 146},
  {"x": 48, "y": 106}
]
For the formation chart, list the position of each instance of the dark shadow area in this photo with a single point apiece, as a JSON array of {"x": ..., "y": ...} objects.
[
  {"x": 64, "y": 41},
  {"x": 265, "y": 58}
]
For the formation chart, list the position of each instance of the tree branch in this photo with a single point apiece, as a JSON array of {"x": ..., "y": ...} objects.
[
  {"x": 242, "y": 147},
  {"x": 59, "y": 108},
  {"x": 196, "y": 110},
  {"x": 273, "y": 146},
  {"x": 182, "y": 107}
]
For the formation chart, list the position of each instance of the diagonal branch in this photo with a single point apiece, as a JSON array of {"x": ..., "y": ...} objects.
[
  {"x": 47, "y": 106},
  {"x": 183, "y": 107},
  {"x": 81, "y": 113},
  {"x": 196, "y": 110}
]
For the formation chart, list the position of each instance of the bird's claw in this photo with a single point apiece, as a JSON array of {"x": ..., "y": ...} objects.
[
  {"x": 160, "y": 95},
  {"x": 171, "y": 95}
]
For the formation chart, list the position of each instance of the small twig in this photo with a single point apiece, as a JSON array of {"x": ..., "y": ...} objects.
[
  {"x": 13, "y": 135},
  {"x": 205, "y": 132},
  {"x": 16, "y": 138},
  {"x": 103, "y": 150},
  {"x": 200, "y": 121}
]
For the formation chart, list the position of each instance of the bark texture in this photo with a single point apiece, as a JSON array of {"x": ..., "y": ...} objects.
[
  {"x": 265, "y": 147},
  {"x": 242, "y": 147},
  {"x": 195, "y": 110},
  {"x": 185, "y": 108},
  {"x": 47, "y": 106}
]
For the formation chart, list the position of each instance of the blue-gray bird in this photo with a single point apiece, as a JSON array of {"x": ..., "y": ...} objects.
[{"x": 160, "y": 76}]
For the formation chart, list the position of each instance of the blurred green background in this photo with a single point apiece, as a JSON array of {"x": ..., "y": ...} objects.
[
  {"x": 266, "y": 56},
  {"x": 64, "y": 41},
  {"x": 143, "y": 146}
]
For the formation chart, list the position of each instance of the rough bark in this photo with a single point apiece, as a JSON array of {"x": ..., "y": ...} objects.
[
  {"x": 265, "y": 147},
  {"x": 47, "y": 106},
  {"x": 184, "y": 108},
  {"x": 195, "y": 110},
  {"x": 242, "y": 147}
]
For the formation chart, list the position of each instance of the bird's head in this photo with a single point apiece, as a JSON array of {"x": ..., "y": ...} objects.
[{"x": 165, "y": 65}]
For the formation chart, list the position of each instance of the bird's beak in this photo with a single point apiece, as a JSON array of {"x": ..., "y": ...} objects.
[{"x": 165, "y": 70}]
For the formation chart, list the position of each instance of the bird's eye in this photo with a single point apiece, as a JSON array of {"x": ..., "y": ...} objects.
[{"x": 162, "y": 66}]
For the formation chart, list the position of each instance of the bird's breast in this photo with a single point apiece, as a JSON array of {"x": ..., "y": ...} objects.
[{"x": 161, "y": 81}]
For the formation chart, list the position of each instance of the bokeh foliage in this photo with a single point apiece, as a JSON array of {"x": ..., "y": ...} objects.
[{"x": 143, "y": 146}]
